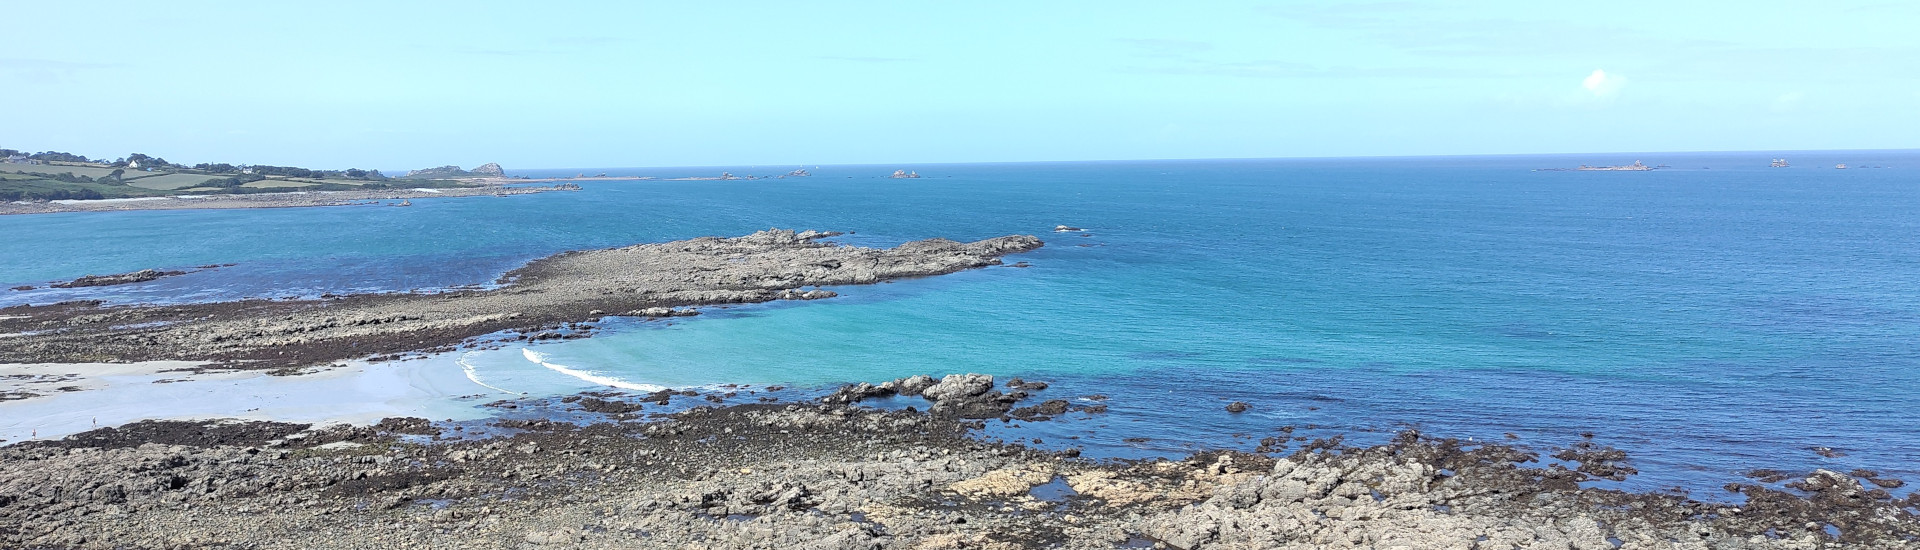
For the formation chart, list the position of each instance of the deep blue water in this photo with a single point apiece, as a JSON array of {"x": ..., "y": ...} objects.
[{"x": 1708, "y": 318}]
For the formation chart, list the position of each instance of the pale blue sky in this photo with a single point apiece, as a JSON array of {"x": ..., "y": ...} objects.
[{"x": 576, "y": 84}]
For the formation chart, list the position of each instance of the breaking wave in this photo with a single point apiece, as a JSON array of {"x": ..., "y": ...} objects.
[
  {"x": 541, "y": 359},
  {"x": 468, "y": 367}
]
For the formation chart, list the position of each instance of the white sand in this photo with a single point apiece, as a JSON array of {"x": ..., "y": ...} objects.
[{"x": 114, "y": 394}]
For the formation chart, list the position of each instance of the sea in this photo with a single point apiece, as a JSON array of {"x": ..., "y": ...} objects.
[{"x": 1710, "y": 317}]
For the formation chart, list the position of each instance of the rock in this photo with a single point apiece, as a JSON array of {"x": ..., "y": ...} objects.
[
  {"x": 1026, "y": 385},
  {"x": 489, "y": 169},
  {"x": 912, "y": 385},
  {"x": 663, "y": 312},
  {"x": 1044, "y": 411},
  {"x": 1066, "y": 229},
  {"x": 1237, "y": 407},
  {"x": 959, "y": 386},
  {"x": 558, "y": 536},
  {"x": 140, "y": 276},
  {"x": 857, "y": 392}
]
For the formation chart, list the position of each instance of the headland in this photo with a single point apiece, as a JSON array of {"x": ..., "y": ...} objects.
[{"x": 549, "y": 298}]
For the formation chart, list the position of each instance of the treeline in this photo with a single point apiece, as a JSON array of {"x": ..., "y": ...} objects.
[
  {"x": 144, "y": 161},
  {"x": 289, "y": 171},
  {"x": 11, "y": 195},
  {"x": 44, "y": 156},
  {"x": 113, "y": 178}
]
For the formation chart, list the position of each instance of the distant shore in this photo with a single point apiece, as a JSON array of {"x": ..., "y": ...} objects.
[{"x": 291, "y": 199}]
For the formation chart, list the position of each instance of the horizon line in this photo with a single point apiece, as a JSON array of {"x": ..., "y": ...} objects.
[{"x": 1200, "y": 159}]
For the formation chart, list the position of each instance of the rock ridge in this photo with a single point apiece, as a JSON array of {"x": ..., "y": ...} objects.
[{"x": 550, "y": 296}]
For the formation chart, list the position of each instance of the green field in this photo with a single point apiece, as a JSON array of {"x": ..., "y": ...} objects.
[
  {"x": 168, "y": 181},
  {"x": 277, "y": 183},
  {"x": 87, "y": 171},
  {"x": 31, "y": 185},
  {"x": 19, "y": 182}
]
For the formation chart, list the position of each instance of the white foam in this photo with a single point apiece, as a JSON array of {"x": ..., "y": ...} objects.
[
  {"x": 104, "y": 201},
  {"x": 468, "y": 367},
  {"x": 426, "y": 190},
  {"x": 541, "y": 359}
]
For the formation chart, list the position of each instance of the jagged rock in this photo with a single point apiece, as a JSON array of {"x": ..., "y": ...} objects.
[
  {"x": 912, "y": 385},
  {"x": 1237, "y": 407},
  {"x": 140, "y": 276},
  {"x": 490, "y": 169},
  {"x": 959, "y": 386}
]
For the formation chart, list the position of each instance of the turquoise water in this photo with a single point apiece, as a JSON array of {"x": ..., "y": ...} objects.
[{"x": 1708, "y": 318}]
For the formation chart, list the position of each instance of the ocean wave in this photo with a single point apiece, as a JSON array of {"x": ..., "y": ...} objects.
[
  {"x": 541, "y": 359},
  {"x": 468, "y": 367}
]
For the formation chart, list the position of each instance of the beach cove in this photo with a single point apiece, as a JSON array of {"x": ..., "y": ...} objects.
[{"x": 1191, "y": 285}]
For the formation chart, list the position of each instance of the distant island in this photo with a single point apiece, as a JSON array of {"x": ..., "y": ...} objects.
[
  {"x": 1637, "y": 166},
  {"x": 54, "y": 181}
]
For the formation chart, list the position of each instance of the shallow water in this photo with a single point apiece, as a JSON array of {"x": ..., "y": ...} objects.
[{"x": 1709, "y": 318}]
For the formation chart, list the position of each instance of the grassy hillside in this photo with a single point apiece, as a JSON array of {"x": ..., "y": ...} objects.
[
  {"x": 57, "y": 182},
  {"x": 53, "y": 175}
]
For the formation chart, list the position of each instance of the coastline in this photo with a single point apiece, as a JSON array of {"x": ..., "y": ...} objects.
[
  {"x": 291, "y": 199},
  {"x": 556, "y": 297},
  {"x": 740, "y": 468},
  {"x": 723, "y": 467}
]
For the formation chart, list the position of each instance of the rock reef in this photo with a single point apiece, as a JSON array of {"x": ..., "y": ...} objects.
[
  {"x": 140, "y": 276},
  {"x": 540, "y": 298},
  {"x": 826, "y": 474}
]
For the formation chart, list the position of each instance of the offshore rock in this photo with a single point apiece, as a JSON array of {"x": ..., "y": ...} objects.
[{"x": 140, "y": 276}]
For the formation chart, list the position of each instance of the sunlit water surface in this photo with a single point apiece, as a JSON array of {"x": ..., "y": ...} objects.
[{"x": 1709, "y": 318}]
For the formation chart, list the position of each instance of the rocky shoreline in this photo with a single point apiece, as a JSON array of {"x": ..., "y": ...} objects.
[
  {"x": 293, "y": 199},
  {"x": 550, "y": 298},
  {"x": 728, "y": 469}
]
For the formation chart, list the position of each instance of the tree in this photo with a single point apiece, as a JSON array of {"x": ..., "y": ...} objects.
[
  {"x": 56, "y": 156},
  {"x": 116, "y": 174}
]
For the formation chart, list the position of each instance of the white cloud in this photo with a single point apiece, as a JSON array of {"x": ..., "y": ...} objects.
[{"x": 1602, "y": 84}]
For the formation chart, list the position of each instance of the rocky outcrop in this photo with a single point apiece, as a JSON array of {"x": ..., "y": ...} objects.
[
  {"x": 968, "y": 396},
  {"x": 653, "y": 280},
  {"x": 140, "y": 276},
  {"x": 815, "y": 475},
  {"x": 490, "y": 169}
]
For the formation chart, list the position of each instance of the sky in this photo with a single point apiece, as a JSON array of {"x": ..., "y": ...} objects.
[{"x": 396, "y": 85}]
